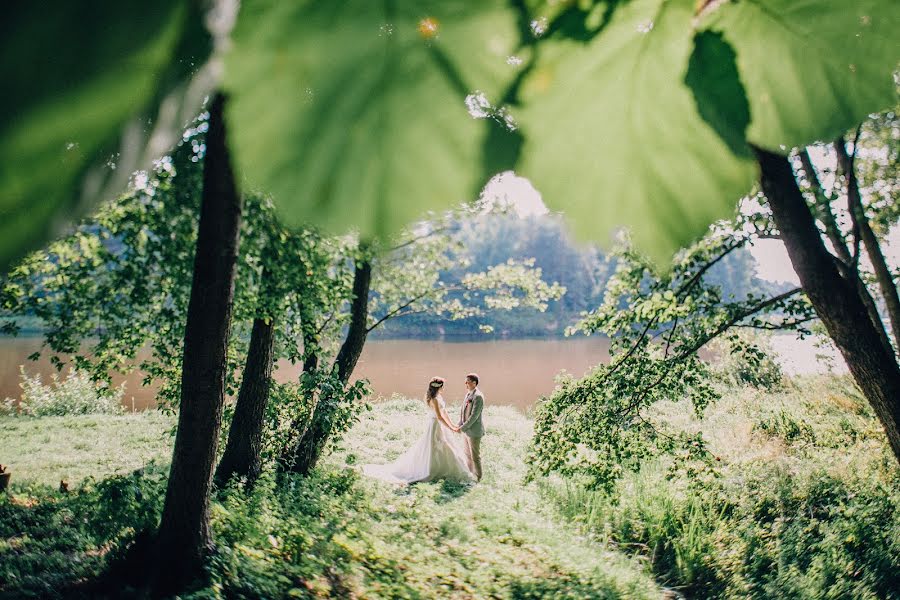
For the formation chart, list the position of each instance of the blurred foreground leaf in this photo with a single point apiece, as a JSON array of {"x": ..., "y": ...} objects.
[
  {"x": 354, "y": 113},
  {"x": 78, "y": 79}
]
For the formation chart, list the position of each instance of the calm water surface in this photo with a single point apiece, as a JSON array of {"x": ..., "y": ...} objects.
[{"x": 514, "y": 372}]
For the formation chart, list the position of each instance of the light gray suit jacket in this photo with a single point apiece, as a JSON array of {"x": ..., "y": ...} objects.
[{"x": 470, "y": 416}]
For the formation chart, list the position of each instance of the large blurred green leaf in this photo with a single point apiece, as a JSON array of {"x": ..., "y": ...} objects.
[
  {"x": 614, "y": 137},
  {"x": 74, "y": 74},
  {"x": 812, "y": 68},
  {"x": 353, "y": 113}
]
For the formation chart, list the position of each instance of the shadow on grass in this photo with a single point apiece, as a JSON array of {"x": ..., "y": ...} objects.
[
  {"x": 451, "y": 491},
  {"x": 566, "y": 587}
]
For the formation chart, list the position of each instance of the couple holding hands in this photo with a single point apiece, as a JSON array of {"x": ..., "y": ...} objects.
[{"x": 441, "y": 453}]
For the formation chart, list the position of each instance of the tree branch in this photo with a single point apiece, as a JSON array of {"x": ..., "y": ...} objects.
[
  {"x": 417, "y": 239},
  {"x": 873, "y": 248},
  {"x": 638, "y": 397},
  {"x": 824, "y": 204},
  {"x": 394, "y": 313}
]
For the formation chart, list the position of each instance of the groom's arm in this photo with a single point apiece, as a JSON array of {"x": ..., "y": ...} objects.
[{"x": 477, "y": 405}]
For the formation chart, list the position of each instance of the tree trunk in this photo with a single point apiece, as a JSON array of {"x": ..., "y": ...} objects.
[
  {"x": 353, "y": 344},
  {"x": 184, "y": 535},
  {"x": 305, "y": 453},
  {"x": 243, "y": 451},
  {"x": 873, "y": 249},
  {"x": 835, "y": 299},
  {"x": 847, "y": 263}
]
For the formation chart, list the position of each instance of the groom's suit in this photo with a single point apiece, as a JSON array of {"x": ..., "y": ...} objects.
[{"x": 471, "y": 425}]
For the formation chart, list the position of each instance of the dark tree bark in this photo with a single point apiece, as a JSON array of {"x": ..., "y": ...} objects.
[
  {"x": 353, "y": 344},
  {"x": 243, "y": 451},
  {"x": 302, "y": 456},
  {"x": 870, "y": 242},
  {"x": 184, "y": 534},
  {"x": 835, "y": 299}
]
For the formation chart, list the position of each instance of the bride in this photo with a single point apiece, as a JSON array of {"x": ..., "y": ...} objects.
[{"x": 434, "y": 455}]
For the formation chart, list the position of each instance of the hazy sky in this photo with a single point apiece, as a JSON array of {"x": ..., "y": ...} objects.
[{"x": 772, "y": 262}]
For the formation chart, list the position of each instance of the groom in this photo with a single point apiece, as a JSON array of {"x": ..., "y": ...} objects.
[{"x": 470, "y": 423}]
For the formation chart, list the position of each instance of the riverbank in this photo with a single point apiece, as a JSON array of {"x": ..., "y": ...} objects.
[{"x": 335, "y": 534}]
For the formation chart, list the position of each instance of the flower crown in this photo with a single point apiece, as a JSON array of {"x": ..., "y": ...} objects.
[{"x": 437, "y": 384}]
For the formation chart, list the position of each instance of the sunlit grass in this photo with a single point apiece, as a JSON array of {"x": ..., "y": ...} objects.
[
  {"x": 46, "y": 450},
  {"x": 490, "y": 537},
  {"x": 497, "y": 539},
  {"x": 804, "y": 500}
]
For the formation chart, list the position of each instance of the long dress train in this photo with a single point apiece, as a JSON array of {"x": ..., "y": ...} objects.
[{"x": 435, "y": 455}]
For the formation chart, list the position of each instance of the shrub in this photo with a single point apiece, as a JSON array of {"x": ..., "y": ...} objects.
[
  {"x": 76, "y": 394},
  {"x": 750, "y": 360}
]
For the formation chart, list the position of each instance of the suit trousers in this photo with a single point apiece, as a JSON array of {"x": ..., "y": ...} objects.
[{"x": 474, "y": 447}]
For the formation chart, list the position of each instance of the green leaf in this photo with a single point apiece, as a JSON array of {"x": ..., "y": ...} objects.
[
  {"x": 716, "y": 84},
  {"x": 75, "y": 75},
  {"x": 354, "y": 113},
  {"x": 614, "y": 137},
  {"x": 812, "y": 68}
]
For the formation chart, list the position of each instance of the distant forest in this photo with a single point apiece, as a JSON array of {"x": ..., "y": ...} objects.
[{"x": 584, "y": 270}]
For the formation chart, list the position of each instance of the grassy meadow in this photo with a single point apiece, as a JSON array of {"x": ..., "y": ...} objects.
[
  {"x": 803, "y": 502},
  {"x": 333, "y": 535}
]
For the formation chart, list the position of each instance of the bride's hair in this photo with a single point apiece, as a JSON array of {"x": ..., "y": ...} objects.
[{"x": 434, "y": 387}]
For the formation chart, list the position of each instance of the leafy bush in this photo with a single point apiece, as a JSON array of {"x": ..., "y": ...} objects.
[
  {"x": 803, "y": 500},
  {"x": 297, "y": 540},
  {"x": 289, "y": 405},
  {"x": 76, "y": 394},
  {"x": 750, "y": 361},
  {"x": 787, "y": 427},
  {"x": 766, "y": 535},
  {"x": 52, "y": 540}
]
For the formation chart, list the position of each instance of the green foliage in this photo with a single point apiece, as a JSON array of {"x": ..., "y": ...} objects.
[
  {"x": 749, "y": 360},
  {"x": 331, "y": 534},
  {"x": 835, "y": 62},
  {"x": 603, "y": 148},
  {"x": 599, "y": 427},
  {"x": 121, "y": 281},
  {"x": 375, "y": 131},
  {"x": 289, "y": 404},
  {"x": 794, "y": 511},
  {"x": 588, "y": 77},
  {"x": 431, "y": 276},
  {"x": 640, "y": 113},
  {"x": 66, "y": 111},
  {"x": 877, "y": 164},
  {"x": 76, "y": 394},
  {"x": 52, "y": 540}
]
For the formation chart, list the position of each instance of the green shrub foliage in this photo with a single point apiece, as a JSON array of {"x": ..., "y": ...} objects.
[
  {"x": 74, "y": 394},
  {"x": 598, "y": 427}
]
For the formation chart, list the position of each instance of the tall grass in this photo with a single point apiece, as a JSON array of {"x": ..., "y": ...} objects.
[{"x": 804, "y": 502}]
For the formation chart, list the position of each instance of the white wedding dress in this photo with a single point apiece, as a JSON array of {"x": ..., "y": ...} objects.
[{"x": 436, "y": 455}]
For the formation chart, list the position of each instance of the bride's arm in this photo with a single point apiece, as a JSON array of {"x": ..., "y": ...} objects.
[{"x": 441, "y": 415}]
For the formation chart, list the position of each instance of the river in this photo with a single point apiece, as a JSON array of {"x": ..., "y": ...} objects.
[{"x": 513, "y": 372}]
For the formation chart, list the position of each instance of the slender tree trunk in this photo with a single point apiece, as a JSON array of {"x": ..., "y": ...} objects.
[
  {"x": 184, "y": 534},
  {"x": 847, "y": 263},
  {"x": 873, "y": 248},
  {"x": 305, "y": 453},
  {"x": 243, "y": 451},
  {"x": 353, "y": 344},
  {"x": 835, "y": 299}
]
